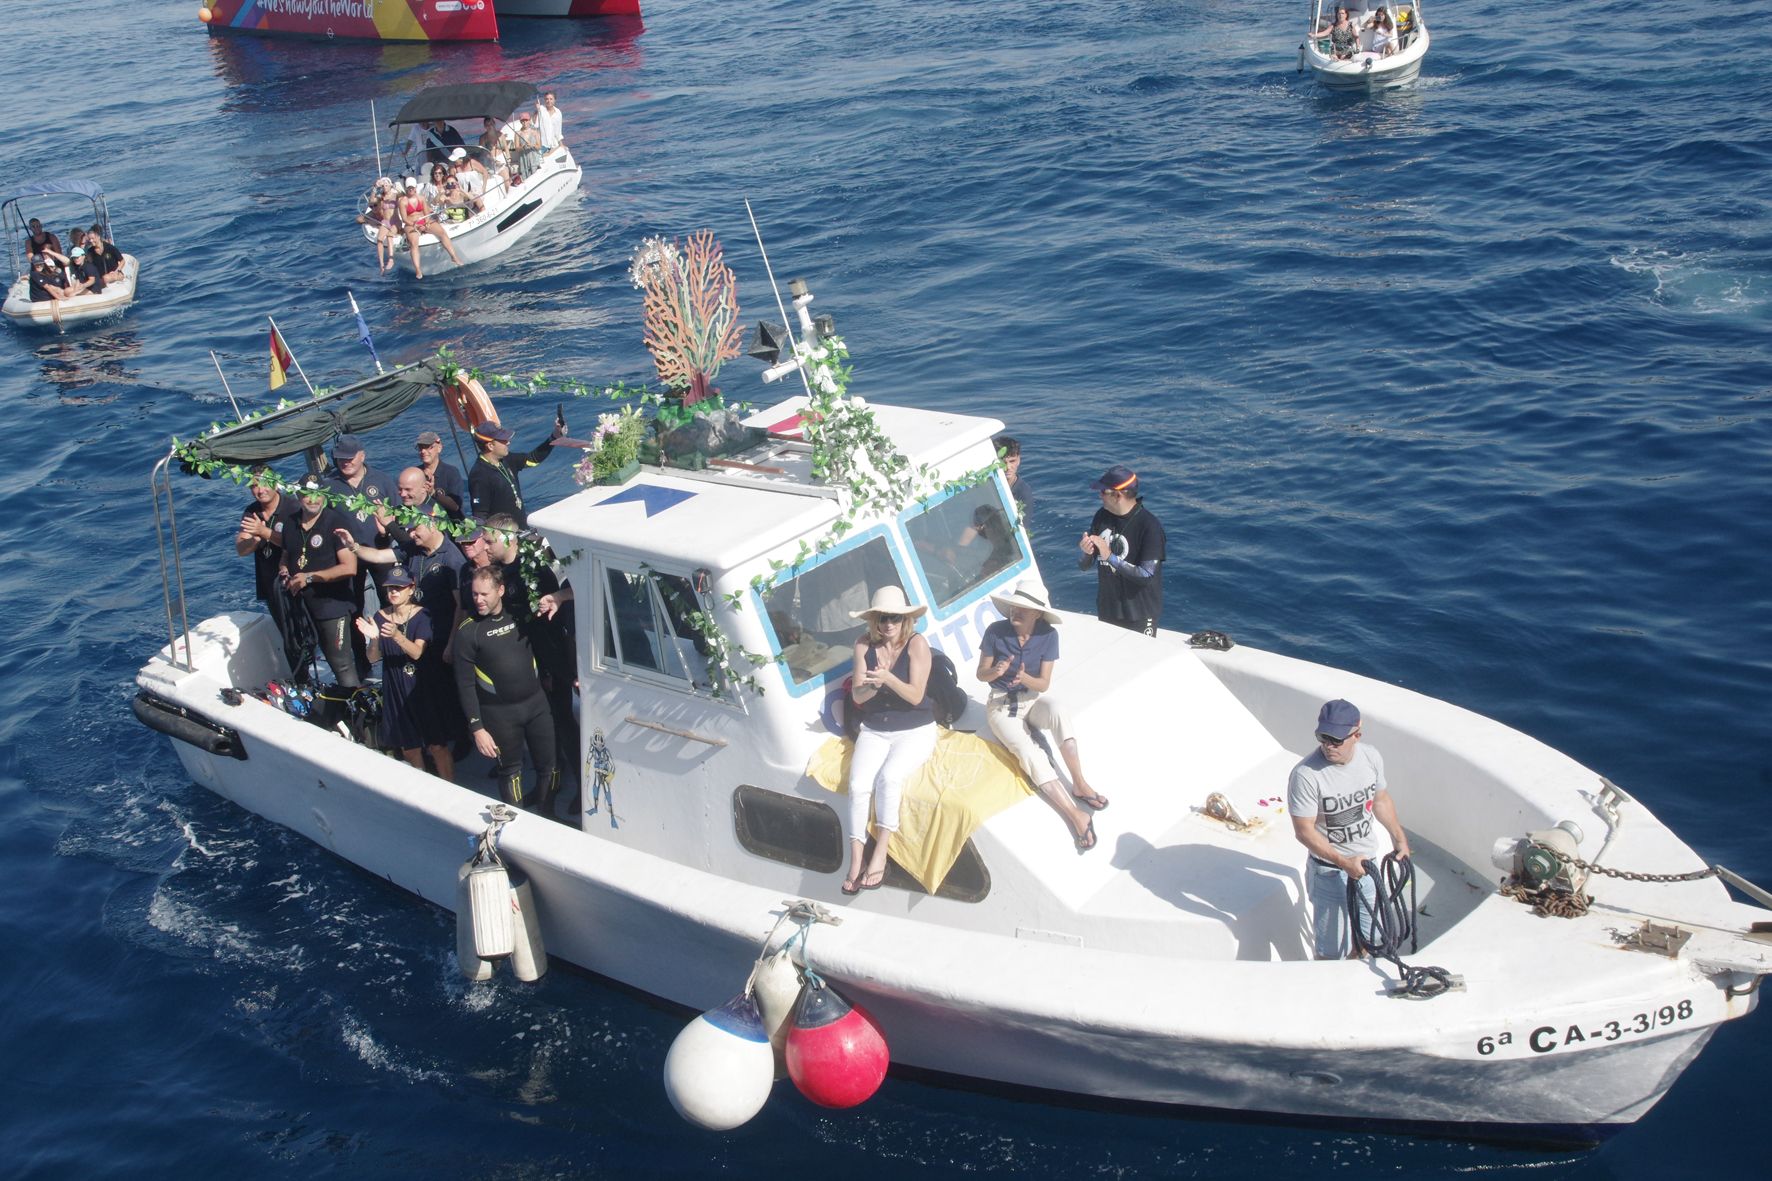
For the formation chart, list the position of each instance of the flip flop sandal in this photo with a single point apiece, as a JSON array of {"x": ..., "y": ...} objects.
[
  {"x": 1086, "y": 839},
  {"x": 875, "y": 884},
  {"x": 851, "y": 886},
  {"x": 1095, "y": 803}
]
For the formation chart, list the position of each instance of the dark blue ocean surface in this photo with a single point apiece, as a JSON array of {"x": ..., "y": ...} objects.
[{"x": 1465, "y": 388}]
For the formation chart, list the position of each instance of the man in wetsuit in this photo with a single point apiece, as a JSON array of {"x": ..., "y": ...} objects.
[
  {"x": 1125, "y": 544},
  {"x": 500, "y": 692},
  {"x": 494, "y": 485}
]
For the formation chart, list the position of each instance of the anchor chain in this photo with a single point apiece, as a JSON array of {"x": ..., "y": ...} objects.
[{"x": 1562, "y": 904}]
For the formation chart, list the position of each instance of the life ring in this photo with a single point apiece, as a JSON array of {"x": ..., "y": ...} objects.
[{"x": 467, "y": 403}]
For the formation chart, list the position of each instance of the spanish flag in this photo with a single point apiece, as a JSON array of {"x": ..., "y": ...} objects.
[{"x": 280, "y": 360}]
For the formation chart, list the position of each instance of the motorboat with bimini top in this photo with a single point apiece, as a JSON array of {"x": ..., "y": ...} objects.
[
  {"x": 1381, "y": 47},
  {"x": 458, "y": 199},
  {"x": 1170, "y": 963},
  {"x": 31, "y": 299},
  {"x": 354, "y": 20}
]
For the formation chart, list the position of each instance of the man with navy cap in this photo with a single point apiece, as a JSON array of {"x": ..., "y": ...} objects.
[
  {"x": 1338, "y": 802},
  {"x": 494, "y": 484},
  {"x": 1126, "y": 545}
]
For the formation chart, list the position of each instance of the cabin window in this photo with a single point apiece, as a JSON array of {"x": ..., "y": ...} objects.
[
  {"x": 802, "y": 833},
  {"x": 808, "y": 834},
  {"x": 812, "y": 613},
  {"x": 965, "y": 541},
  {"x": 647, "y": 627}
]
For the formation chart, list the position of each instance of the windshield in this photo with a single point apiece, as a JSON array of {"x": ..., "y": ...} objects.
[
  {"x": 965, "y": 541},
  {"x": 811, "y": 613}
]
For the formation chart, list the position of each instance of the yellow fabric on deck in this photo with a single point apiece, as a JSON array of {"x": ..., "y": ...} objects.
[{"x": 965, "y": 783}]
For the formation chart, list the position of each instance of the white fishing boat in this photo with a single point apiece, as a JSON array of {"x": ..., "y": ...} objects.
[
  {"x": 1367, "y": 66},
  {"x": 1169, "y": 965},
  {"x": 19, "y": 308},
  {"x": 520, "y": 189}
]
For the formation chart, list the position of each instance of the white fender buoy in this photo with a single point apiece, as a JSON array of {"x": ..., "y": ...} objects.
[
  {"x": 776, "y": 986},
  {"x": 489, "y": 901},
  {"x": 720, "y": 1069},
  {"x": 472, "y": 966},
  {"x": 529, "y": 959}
]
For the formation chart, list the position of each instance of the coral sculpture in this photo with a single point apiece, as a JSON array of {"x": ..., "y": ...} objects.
[{"x": 691, "y": 311}]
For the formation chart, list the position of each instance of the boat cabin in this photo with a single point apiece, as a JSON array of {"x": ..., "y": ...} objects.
[{"x": 715, "y": 776}]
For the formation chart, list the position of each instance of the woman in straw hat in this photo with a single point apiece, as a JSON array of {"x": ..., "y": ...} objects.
[
  {"x": 1017, "y": 656},
  {"x": 897, "y": 733}
]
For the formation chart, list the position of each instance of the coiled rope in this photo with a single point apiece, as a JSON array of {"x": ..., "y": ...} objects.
[{"x": 1391, "y": 917}]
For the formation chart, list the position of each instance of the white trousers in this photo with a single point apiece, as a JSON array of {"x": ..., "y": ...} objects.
[
  {"x": 882, "y": 762},
  {"x": 1016, "y": 732}
]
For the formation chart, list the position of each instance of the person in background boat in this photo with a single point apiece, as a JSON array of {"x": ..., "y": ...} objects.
[
  {"x": 441, "y": 138},
  {"x": 549, "y": 121},
  {"x": 500, "y": 692},
  {"x": 400, "y": 639},
  {"x": 888, "y": 689},
  {"x": 415, "y": 220},
  {"x": 1343, "y": 34},
  {"x": 472, "y": 177},
  {"x": 43, "y": 240},
  {"x": 261, "y": 535},
  {"x": 528, "y": 146},
  {"x": 1384, "y": 32},
  {"x": 495, "y": 483},
  {"x": 1126, "y": 545},
  {"x": 100, "y": 247},
  {"x": 1016, "y": 658},
  {"x": 1009, "y": 447},
  {"x": 87, "y": 270},
  {"x": 448, "y": 487},
  {"x": 47, "y": 282},
  {"x": 1338, "y": 801},
  {"x": 385, "y": 217},
  {"x": 318, "y": 571}
]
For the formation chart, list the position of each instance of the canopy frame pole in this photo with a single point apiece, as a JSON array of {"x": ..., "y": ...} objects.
[{"x": 238, "y": 417}]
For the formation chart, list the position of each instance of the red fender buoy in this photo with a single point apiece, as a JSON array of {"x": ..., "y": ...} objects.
[
  {"x": 836, "y": 1055},
  {"x": 467, "y": 403}
]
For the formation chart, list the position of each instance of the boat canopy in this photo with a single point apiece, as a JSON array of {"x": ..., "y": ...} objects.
[
  {"x": 50, "y": 188},
  {"x": 295, "y": 428},
  {"x": 465, "y": 100}
]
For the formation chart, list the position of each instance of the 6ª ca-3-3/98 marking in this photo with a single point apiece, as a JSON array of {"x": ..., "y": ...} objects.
[{"x": 1545, "y": 1038}]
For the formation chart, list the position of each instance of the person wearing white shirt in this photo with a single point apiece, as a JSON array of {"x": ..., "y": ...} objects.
[{"x": 548, "y": 120}]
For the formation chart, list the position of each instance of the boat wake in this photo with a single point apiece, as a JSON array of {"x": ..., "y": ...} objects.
[{"x": 1697, "y": 281}]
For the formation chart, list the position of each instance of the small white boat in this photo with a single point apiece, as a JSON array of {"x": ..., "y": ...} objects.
[
  {"x": 1170, "y": 964},
  {"x": 1367, "y": 68},
  {"x": 59, "y": 314},
  {"x": 509, "y": 210}
]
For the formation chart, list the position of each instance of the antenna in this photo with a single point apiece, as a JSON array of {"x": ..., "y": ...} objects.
[
  {"x": 782, "y": 308},
  {"x": 376, "y": 132},
  {"x": 238, "y": 417}
]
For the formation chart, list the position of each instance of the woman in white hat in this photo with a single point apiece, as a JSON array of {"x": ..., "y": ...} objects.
[
  {"x": 889, "y": 690},
  {"x": 1017, "y": 656}
]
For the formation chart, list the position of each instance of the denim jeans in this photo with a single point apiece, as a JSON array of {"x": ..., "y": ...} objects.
[{"x": 1328, "y": 894}]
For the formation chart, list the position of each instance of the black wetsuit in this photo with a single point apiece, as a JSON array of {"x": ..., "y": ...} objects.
[{"x": 500, "y": 693}]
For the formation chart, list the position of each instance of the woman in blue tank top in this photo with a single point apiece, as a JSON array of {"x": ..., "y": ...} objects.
[{"x": 889, "y": 691}]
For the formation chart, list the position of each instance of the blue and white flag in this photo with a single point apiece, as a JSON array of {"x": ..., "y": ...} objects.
[{"x": 363, "y": 332}]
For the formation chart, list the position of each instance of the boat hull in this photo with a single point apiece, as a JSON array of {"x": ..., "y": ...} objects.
[
  {"x": 1288, "y": 1039},
  {"x": 60, "y": 314},
  {"x": 357, "y": 20},
  {"x": 569, "y": 8},
  {"x": 1367, "y": 72},
  {"x": 507, "y": 220}
]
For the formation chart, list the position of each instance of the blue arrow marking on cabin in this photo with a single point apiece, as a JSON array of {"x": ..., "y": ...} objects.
[{"x": 656, "y": 499}]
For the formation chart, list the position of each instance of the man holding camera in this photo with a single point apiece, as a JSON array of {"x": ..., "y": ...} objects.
[{"x": 1125, "y": 543}]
